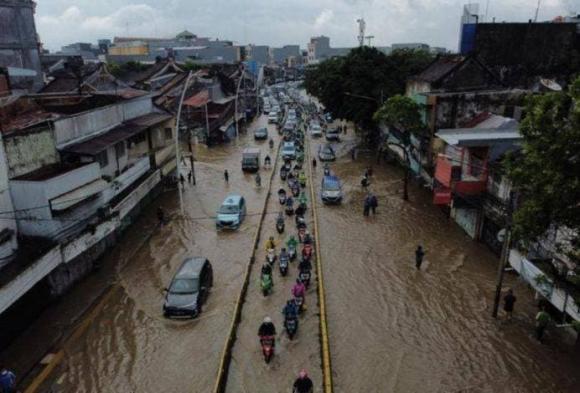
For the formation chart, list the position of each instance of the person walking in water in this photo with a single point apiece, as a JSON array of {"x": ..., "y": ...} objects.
[
  {"x": 7, "y": 381},
  {"x": 374, "y": 203},
  {"x": 314, "y": 163},
  {"x": 508, "y": 304},
  {"x": 419, "y": 254},
  {"x": 226, "y": 176},
  {"x": 367, "y": 206},
  {"x": 542, "y": 320}
]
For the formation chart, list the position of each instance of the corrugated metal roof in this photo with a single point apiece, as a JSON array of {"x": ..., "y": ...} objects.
[
  {"x": 123, "y": 131},
  {"x": 478, "y": 136}
]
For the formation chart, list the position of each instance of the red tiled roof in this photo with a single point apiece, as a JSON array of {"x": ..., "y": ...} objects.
[{"x": 198, "y": 100}]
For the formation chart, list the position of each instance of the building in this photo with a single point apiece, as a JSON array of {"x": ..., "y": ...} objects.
[
  {"x": 469, "y": 18},
  {"x": 19, "y": 45},
  {"x": 411, "y": 46},
  {"x": 184, "y": 47},
  {"x": 519, "y": 53},
  {"x": 462, "y": 167},
  {"x": 281, "y": 55},
  {"x": 258, "y": 53},
  {"x": 318, "y": 49}
]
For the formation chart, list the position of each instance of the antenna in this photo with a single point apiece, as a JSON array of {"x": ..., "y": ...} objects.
[
  {"x": 537, "y": 10},
  {"x": 486, "y": 9},
  {"x": 361, "y": 31},
  {"x": 369, "y": 38}
]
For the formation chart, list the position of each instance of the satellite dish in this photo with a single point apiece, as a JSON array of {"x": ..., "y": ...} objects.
[
  {"x": 501, "y": 235},
  {"x": 550, "y": 84}
]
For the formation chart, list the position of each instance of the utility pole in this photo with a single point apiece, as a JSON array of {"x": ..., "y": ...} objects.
[
  {"x": 537, "y": 11},
  {"x": 177, "y": 120},
  {"x": 361, "y": 31},
  {"x": 505, "y": 251}
]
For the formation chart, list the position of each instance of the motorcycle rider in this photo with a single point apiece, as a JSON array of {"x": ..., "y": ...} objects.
[
  {"x": 271, "y": 143},
  {"x": 270, "y": 244},
  {"x": 266, "y": 270},
  {"x": 305, "y": 265},
  {"x": 292, "y": 242},
  {"x": 303, "y": 384},
  {"x": 326, "y": 170},
  {"x": 307, "y": 238},
  {"x": 299, "y": 290},
  {"x": 284, "y": 253},
  {"x": 267, "y": 329},
  {"x": 267, "y": 160},
  {"x": 290, "y": 309}
]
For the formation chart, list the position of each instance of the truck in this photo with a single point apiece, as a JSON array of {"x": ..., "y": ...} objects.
[{"x": 251, "y": 160}]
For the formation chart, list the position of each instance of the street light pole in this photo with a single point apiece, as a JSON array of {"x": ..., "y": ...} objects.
[
  {"x": 237, "y": 98},
  {"x": 177, "y": 120}
]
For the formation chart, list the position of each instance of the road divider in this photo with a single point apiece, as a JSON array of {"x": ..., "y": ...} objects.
[{"x": 324, "y": 342}]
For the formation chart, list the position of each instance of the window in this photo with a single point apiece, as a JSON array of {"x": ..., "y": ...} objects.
[
  {"x": 102, "y": 158},
  {"x": 168, "y": 134},
  {"x": 120, "y": 149}
]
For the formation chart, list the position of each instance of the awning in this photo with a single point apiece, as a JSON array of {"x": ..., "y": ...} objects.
[
  {"x": 120, "y": 133},
  {"x": 75, "y": 196},
  {"x": 478, "y": 136}
]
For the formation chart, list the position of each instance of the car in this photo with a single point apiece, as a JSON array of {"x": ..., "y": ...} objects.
[
  {"x": 315, "y": 130},
  {"x": 273, "y": 117},
  {"x": 189, "y": 288},
  {"x": 333, "y": 135},
  {"x": 326, "y": 153},
  {"x": 331, "y": 189},
  {"x": 289, "y": 150},
  {"x": 261, "y": 133},
  {"x": 231, "y": 213}
]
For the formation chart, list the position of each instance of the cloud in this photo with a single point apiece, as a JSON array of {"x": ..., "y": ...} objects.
[
  {"x": 275, "y": 22},
  {"x": 323, "y": 19}
]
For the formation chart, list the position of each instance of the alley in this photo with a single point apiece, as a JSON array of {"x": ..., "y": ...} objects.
[{"x": 396, "y": 329}]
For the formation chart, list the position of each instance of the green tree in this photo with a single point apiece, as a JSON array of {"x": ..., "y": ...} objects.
[
  {"x": 547, "y": 172},
  {"x": 404, "y": 114},
  {"x": 353, "y": 87}
]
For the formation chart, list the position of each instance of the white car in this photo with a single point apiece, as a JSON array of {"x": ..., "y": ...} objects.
[
  {"x": 289, "y": 151},
  {"x": 315, "y": 130},
  {"x": 273, "y": 117}
]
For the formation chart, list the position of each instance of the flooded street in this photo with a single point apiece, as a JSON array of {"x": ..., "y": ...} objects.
[
  {"x": 392, "y": 328},
  {"x": 396, "y": 329}
]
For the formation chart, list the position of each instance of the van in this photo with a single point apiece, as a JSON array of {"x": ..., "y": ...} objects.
[
  {"x": 289, "y": 151},
  {"x": 251, "y": 160},
  {"x": 231, "y": 213},
  {"x": 189, "y": 288},
  {"x": 331, "y": 190}
]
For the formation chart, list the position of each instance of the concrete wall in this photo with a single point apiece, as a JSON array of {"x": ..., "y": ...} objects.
[
  {"x": 88, "y": 124},
  {"x": 7, "y": 221},
  {"x": 30, "y": 151}
]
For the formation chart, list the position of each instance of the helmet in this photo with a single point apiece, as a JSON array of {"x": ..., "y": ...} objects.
[
  {"x": 303, "y": 373},
  {"x": 267, "y": 320}
]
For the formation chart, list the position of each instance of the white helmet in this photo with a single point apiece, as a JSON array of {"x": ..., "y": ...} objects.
[{"x": 267, "y": 320}]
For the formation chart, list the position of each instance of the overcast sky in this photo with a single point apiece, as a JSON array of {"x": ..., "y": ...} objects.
[{"x": 276, "y": 22}]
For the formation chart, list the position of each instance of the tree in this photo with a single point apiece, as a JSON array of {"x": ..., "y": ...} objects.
[
  {"x": 353, "y": 87},
  {"x": 547, "y": 171},
  {"x": 404, "y": 114}
]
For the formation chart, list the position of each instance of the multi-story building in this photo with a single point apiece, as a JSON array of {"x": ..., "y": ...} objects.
[
  {"x": 258, "y": 53},
  {"x": 19, "y": 44},
  {"x": 281, "y": 55}
]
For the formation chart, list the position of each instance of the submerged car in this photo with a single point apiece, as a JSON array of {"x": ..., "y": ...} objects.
[
  {"x": 289, "y": 151},
  {"x": 331, "y": 189},
  {"x": 261, "y": 133},
  {"x": 315, "y": 130},
  {"x": 189, "y": 288},
  {"x": 273, "y": 117},
  {"x": 231, "y": 213},
  {"x": 326, "y": 153}
]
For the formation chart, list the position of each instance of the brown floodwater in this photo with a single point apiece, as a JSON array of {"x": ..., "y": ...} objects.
[
  {"x": 129, "y": 346},
  {"x": 396, "y": 329}
]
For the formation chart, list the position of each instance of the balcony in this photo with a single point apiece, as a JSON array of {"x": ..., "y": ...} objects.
[
  {"x": 452, "y": 175},
  {"x": 125, "y": 179}
]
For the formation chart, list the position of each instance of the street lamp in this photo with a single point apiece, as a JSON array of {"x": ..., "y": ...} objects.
[{"x": 177, "y": 120}]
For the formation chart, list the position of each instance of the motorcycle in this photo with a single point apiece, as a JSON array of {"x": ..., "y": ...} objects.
[
  {"x": 266, "y": 284},
  {"x": 305, "y": 277},
  {"x": 271, "y": 143},
  {"x": 283, "y": 173},
  {"x": 307, "y": 252},
  {"x": 271, "y": 256},
  {"x": 267, "y": 343},
  {"x": 302, "y": 180},
  {"x": 295, "y": 190},
  {"x": 291, "y": 325},
  {"x": 292, "y": 251},
  {"x": 301, "y": 234},
  {"x": 282, "y": 196},
  {"x": 300, "y": 221},
  {"x": 280, "y": 223},
  {"x": 284, "y": 258},
  {"x": 289, "y": 207}
]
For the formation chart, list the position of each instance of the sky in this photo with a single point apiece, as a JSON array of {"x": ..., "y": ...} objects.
[{"x": 277, "y": 22}]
